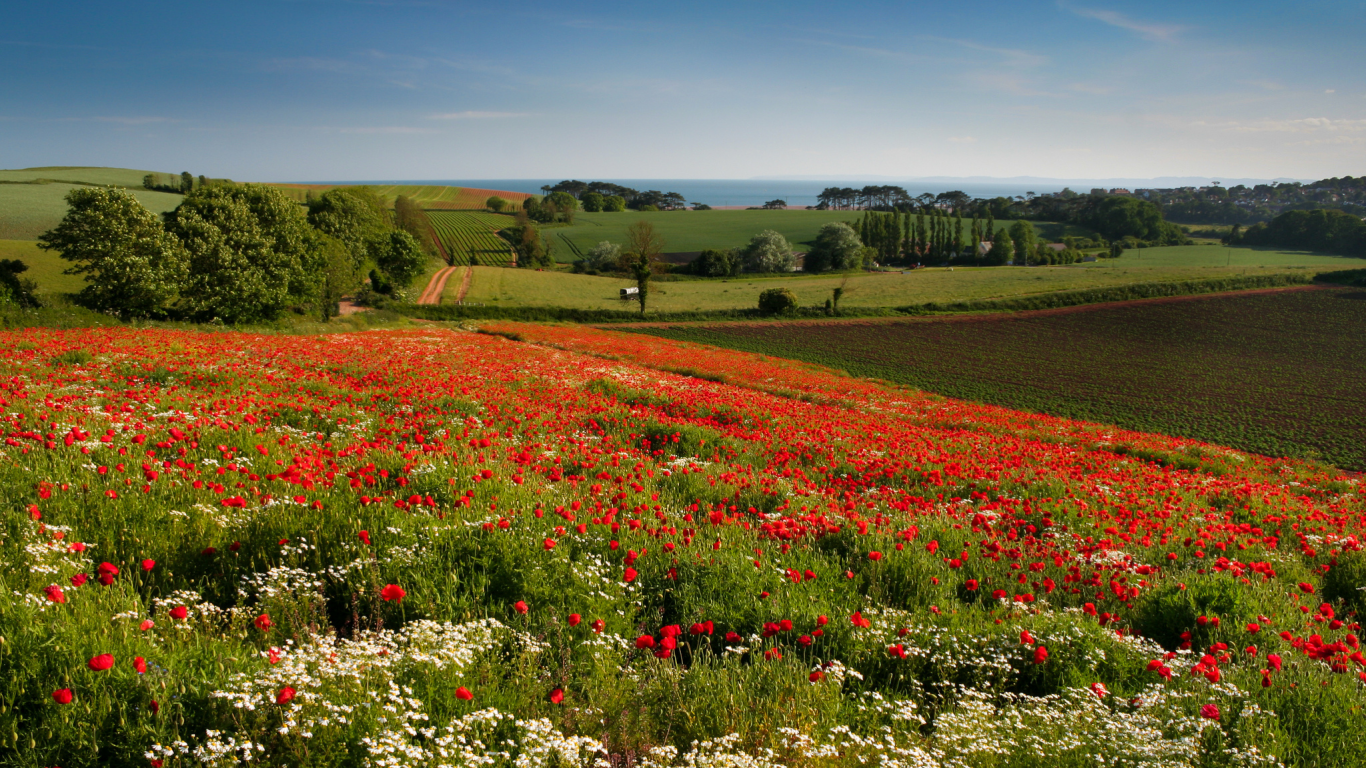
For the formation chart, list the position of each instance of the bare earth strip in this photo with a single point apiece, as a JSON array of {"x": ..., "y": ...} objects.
[
  {"x": 465, "y": 284},
  {"x": 432, "y": 293}
]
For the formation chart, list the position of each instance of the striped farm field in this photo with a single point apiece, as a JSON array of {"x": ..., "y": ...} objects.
[
  {"x": 472, "y": 236},
  {"x": 430, "y": 196}
]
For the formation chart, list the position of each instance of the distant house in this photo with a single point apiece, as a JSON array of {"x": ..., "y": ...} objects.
[{"x": 1120, "y": 191}]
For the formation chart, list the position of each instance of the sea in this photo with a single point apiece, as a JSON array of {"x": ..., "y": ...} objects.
[{"x": 750, "y": 192}]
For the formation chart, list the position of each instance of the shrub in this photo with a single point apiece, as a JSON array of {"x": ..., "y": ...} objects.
[{"x": 777, "y": 301}]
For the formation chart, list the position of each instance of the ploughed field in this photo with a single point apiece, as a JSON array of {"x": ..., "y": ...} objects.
[
  {"x": 566, "y": 547},
  {"x": 1278, "y": 373}
]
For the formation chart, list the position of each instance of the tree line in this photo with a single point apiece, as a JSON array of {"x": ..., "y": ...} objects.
[
  {"x": 183, "y": 184},
  {"x": 595, "y": 196},
  {"x": 1326, "y": 231},
  {"x": 236, "y": 253}
]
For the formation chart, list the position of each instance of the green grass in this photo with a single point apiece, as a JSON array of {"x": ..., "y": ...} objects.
[
  {"x": 472, "y": 234},
  {"x": 685, "y": 231},
  {"x": 114, "y": 177},
  {"x": 1278, "y": 374},
  {"x": 525, "y": 288},
  {"x": 29, "y": 210},
  {"x": 44, "y": 267}
]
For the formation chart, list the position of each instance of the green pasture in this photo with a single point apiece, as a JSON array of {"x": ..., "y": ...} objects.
[
  {"x": 28, "y": 210},
  {"x": 421, "y": 193},
  {"x": 529, "y": 288},
  {"x": 113, "y": 177},
  {"x": 685, "y": 231}
]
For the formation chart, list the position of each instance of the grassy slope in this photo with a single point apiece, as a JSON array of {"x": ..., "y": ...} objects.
[
  {"x": 698, "y": 230},
  {"x": 538, "y": 289},
  {"x": 28, "y": 210},
  {"x": 1220, "y": 369},
  {"x": 44, "y": 268}
]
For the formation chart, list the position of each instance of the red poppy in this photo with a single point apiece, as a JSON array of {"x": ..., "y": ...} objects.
[
  {"x": 285, "y": 695},
  {"x": 599, "y": 625},
  {"x": 365, "y": 537},
  {"x": 393, "y": 593},
  {"x": 263, "y": 622},
  {"x": 629, "y": 575},
  {"x": 79, "y": 580},
  {"x": 1040, "y": 654},
  {"x": 148, "y": 565},
  {"x": 520, "y": 606},
  {"x": 1274, "y": 659},
  {"x": 179, "y": 612},
  {"x": 1210, "y": 711},
  {"x": 574, "y": 619},
  {"x": 146, "y": 625},
  {"x": 140, "y": 664},
  {"x": 556, "y": 696},
  {"x": 645, "y": 641},
  {"x": 822, "y": 621},
  {"x": 108, "y": 568},
  {"x": 463, "y": 693},
  {"x": 1254, "y": 627},
  {"x": 549, "y": 544},
  {"x": 875, "y": 556},
  {"x": 62, "y": 696},
  {"x": 733, "y": 637},
  {"x": 54, "y": 593},
  {"x": 101, "y": 663},
  {"x": 816, "y": 676},
  {"x": 1026, "y": 638}
]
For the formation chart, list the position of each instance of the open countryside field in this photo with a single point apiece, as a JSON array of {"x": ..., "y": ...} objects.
[
  {"x": 467, "y": 236},
  {"x": 44, "y": 268},
  {"x": 29, "y": 210},
  {"x": 525, "y": 288},
  {"x": 687, "y": 231},
  {"x": 430, "y": 196},
  {"x": 1279, "y": 373},
  {"x": 438, "y": 547}
]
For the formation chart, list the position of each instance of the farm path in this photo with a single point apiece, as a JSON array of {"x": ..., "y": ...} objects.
[
  {"x": 432, "y": 293},
  {"x": 465, "y": 284}
]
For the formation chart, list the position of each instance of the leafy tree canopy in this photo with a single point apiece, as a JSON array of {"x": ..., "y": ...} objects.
[
  {"x": 837, "y": 246},
  {"x": 769, "y": 251}
]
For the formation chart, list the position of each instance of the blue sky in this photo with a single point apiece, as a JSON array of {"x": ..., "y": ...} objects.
[{"x": 325, "y": 89}]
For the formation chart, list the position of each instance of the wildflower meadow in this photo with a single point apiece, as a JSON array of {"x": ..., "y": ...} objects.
[{"x": 560, "y": 547}]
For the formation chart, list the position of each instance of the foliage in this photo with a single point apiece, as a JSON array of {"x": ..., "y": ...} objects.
[
  {"x": 768, "y": 251},
  {"x": 400, "y": 258},
  {"x": 643, "y": 247},
  {"x": 411, "y": 218},
  {"x": 339, "y": 276},
  {"x": 592, "y": 202},
  {"x": 603, "y": 257},
  {"x": 356, "y": 216},
  {"x": 1002, "y": 250},
  {"x": 133, "y": 267},
  {"x": 714, "y": 263},
  {"x": 1116, "y": 217},
  {"x": 777, "y": 301},
  {"x": 1326, "y": 231},
  {"x": 613, "y": 204},
  {"x": 496, "y": 204},
  {"x": 1022, "y": 237},
  {"x": 837, "y": 247},
  {"x": 252, "y": 254}
]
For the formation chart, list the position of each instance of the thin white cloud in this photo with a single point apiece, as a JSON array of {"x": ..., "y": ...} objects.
[
  {"x": 1161, "y": 33},
  {"x": 1012, "y": 56},
  {"x": 1301, "y": 125},
  {"x": 399, "y": 129},
  {"x": 474, "y": 114}
]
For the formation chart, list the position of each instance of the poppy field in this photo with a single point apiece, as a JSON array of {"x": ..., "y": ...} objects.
[
  {"x": 558, "y": 546},
  {"x": 1279, "y": 373}
]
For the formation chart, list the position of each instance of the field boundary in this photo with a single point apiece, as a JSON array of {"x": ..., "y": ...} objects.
[{"x": 1056, "y": 300}]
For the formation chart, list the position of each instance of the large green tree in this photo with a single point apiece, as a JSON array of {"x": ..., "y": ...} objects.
[
  {"x": 400, "y": 258},
  {"x": 132, "y": 266},
  {"x": 837, "y": 246},
  {"x": 768, "y": 251},
  {"x": 411, "y": 218},
  {"x": 1002, "y": 249},
  {"x": 251, "y": 252},
  {"x": 1022, "y": 238},
  {"x": 338, "y": 275},
  {"x": 356, "y": 216}
]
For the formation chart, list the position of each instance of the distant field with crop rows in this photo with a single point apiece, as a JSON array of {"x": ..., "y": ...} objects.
[
  {"x": 1224, "y": 369},
  {"x": 472, "y": 236}
]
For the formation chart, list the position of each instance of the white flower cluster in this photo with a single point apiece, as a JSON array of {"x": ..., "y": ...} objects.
[{"x": 279, "y": 582}]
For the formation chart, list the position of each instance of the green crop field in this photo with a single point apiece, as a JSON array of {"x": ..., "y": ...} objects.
[
  {"x": 113, "y": 177},
  {"x": 29, "y": 209},
  {"x": 1223, "y": 369},
  {"x": 523, "y": 288},
  {"x": 472, "y": 235},
  {"x": 686, "y": 231},
  {"x": 430, "y": 196}
]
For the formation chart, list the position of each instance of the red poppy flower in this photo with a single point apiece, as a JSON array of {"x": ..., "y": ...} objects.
[
  {"x": 140, "y": 664},
  {"x": 79, "y": 579},
  {"x": 1254, "y": 627},
  {"x": 365, "y": 537},
  {"x": 463, "y": 693},
  {"x": 1040, "y": 654},
  {"x": 62, "y": 696},
  {"x": 822, "y": 621},
  {"x": 146, "y": 625},
  {"x": 148, "y": 565},
  {"x": 101, "y": 663},
  {"x": 1026, "y": 638},
  {"x": 54, "y": 593},
  {"x": 520, "y": 606},
  {"x": 574, "y": 619},
  {"x": 874, "y": 556},
  {"x": 816, "y": 676},
  {"x": 733, "y": 637},
  {"x": 645, "y": 641},
  {"x": 1210, "y": 711},
  {"x": 1274, "y": 659},
  {"x": 557, "y": 696},
  {"x": 629, "y": 575},
  {"x": 179, "y": 612},
  {"x": 263, "y": 622},
  {"x": 285, "y": 695},
  {"x": 549, "y": 544},
  {"x": 393, "y": 593},
  {"x": 154, "y": 706},
  {"x": 599, "y": 625}
]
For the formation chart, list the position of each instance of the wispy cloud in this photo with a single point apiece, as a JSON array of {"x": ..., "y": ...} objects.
[
  {"x": 1012, "y": 56},
  {"x": 1161, "y": 33},
  {"x": 382, "y": 129},
  {"x": 473, "y": 114},
  {"x": 1300, "y": 125}
]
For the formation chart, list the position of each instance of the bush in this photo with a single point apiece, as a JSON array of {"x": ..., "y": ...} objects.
[{"x": 777, "y": 301}]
